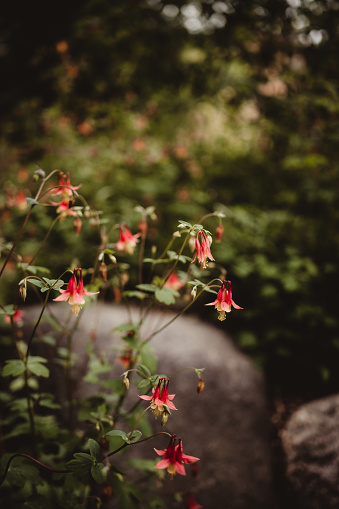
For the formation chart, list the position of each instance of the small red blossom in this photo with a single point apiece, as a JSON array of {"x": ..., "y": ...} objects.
[
  {"x": 160, "y": 397},
  {"x": 224, "y": 300},
  {"x": 127, "y": 241},
  {"x": 16, "y": 317},
  {"x": 219, "y": 232},
  {"x": 203, "y": 249},
  {"x": 125, "y": 359},
  {"x": 64, "y": 187},
  {"x": 75, "y": 292},
  {"x": 190, "y": 502},
  {"x": 174, "y": 458},
  {"x": 65, "y": 208},
  {"x": 174, "y": 283}
]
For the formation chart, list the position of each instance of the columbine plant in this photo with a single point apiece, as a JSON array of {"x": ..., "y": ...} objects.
[{"x": 82, "y": 463}]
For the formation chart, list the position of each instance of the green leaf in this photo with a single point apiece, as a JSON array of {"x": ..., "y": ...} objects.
[
  {"x": 134, "y": 293},
  {"x": 143, "y": 371},
  {"x": 134, "y": 437},
  {"x": 35, "y": 365},
  {"x": 117, "y": 433},
  {"x": 147, "y": 287},
  {"x": 33, "y": 269},
  {"x": 143, "y": 383},
  {"x": 7, "y": 310},
  {"x": 94, "y": 449},
  {"x": 36, "y": 282},
  {"x": 96, "y": 472},
  {"x": 166, "y": 295},
  {"x": 14, "y": 367}
]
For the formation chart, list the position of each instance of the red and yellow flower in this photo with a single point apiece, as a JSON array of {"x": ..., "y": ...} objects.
[
  {"x": 160, "y": 397},
  {"x": 224, "y": 300},
  {"x": 174, "y": 458},
  {"x": 127, "y": 241},
  {"x": 75, "y": 292},
  {"x": 203, "y": 249}
]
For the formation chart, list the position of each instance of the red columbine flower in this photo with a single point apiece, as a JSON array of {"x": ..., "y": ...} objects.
[
  {"x": 65, "y": 188},
  {"x": 224, "y": 300},
  {"x": 190, "y": 502},
  {"x": 65, "y": 208},
  {"x": 174, "y": 458},
  {"x": 126, "y": 358},
  {"x": 75, "y": 292},
  {"x": 174, "y": 283},
  {"x": 16, "y": 317},
  {"x": 160, "y": 397},
  {"x": 127, "y": 241},
  {"x": 203, "y": 250}
]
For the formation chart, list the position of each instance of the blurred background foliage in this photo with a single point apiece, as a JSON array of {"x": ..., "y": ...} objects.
[{"x": 191, "y": 107}]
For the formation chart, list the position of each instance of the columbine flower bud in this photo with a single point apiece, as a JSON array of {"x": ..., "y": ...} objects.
[
  {"x": 200, "y": 386},
  {"x": 219, "y": 231},
  {"x": 126, "y": 382},
  {"x": 103, "y": 270},
  {"x": 23, "y": 292},
  {"x": 194, "y": 292},
  {"x": 39, "y": 174},
  {"x": 164, "y": 418},
  {"x": 77, "y": 224}
]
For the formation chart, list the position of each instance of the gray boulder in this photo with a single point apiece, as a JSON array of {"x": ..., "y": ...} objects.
[
  {"x": 227, "y": 426},
  {"x": 311, "y": 444}
]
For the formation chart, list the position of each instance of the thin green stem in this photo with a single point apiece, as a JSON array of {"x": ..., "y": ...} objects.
[
  {"x": 36, "y": 325},
  {"x": 147, "y": 340},
  {"x": 134, "y": 443},
  {"x": 24, "y": 223},
  {"x": 35, "y": 461},
  {"x": 45, "y": 239},
  {"x": 138, "y": 420}
]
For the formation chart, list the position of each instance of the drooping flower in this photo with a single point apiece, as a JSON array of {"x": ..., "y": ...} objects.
[
  {"x": 75, "y": 292},
  {"x": 160, "y": 397},
  {"x": 203, "y": 249},
  {"x": 174, "y": 458},
  {"x": 190, "y": 502},
  {"x": 127, "y": 241},
  {"x": 64, "y": 187},
  {"x": 224, "y": 300}
]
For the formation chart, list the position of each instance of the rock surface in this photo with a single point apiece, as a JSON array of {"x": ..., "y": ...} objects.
[
  {"x": 227, "y": 426},
  {"x": 311, "y": 444}
]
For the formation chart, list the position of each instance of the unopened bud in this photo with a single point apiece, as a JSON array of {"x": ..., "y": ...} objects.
[
  {"x": 39, "y": 174},
  {"x": 103, "y": 443},
  {"x": 126, "y": 382},
  {"x": 219, "y": 231},
  {"x": 77, "y": 224},
  {"x": 103, "y": 270},
  {"x": 23, "y": 292},
  {"x": 194, "y": 292},
  {"x": 112, "y": 258},
  {"x": 200, "y": 386},
  {"x": 164, "y": 418}
]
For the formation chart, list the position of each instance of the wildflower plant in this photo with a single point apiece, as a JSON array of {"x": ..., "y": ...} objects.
[{"x": 49, "y": 457}]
